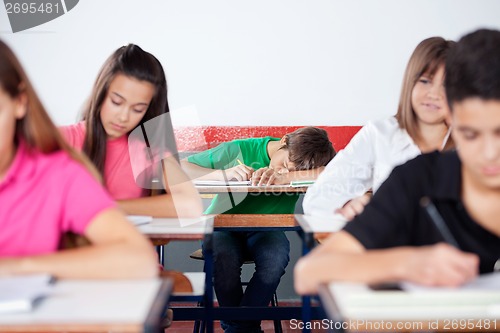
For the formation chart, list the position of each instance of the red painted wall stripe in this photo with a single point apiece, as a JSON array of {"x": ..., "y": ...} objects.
[{"x": 196, "y": 138}]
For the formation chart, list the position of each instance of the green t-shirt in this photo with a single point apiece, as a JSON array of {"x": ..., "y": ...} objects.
[{"x": 252, "y": 152}]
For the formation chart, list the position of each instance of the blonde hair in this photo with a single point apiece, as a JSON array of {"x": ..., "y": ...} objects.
[{"x": 428, "y": 56}]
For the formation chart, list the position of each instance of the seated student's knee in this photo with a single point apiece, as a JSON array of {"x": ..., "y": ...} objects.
[
  {"x": 227, "y": 253},
  {"x": 271, "y": 266},
  {"x": 274, "y": 249}
]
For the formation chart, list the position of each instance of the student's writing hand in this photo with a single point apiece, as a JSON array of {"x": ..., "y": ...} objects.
[
  {"x": 441, "y": 265},
  {"x": 239, "y": 173},
  {"x": 355, "y": 206},
  {"x": 267, "y": 176}
]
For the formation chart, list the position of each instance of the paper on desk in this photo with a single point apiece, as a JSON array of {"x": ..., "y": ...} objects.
[
  {"x": 139, "y": 219},
  {"x": 180, "y": 222},
  {"x": 302, "y": 183},
  {"x": 357, "y": 300},
  {"x": 221, "y": 183},
  {"x": 20, "y": 293},
  {"x": 490, "y": 281}
]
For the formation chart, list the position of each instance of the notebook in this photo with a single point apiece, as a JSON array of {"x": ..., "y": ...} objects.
[
  {"x": 221, "y": 183},
  {"x": 301, "y": 183},
  {"x": 22, "y": 293},
  {"x": 477, "y": 299}
]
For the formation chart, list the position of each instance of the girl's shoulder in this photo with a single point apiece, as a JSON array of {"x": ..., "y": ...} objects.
[
  {"x": 74, "y": 134},
  {"x": 58, "y": 164},
  {"x": 385, "y": 126}
]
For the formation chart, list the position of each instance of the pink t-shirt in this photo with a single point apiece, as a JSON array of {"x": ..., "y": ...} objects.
[
  {"x": 41, "y": 197},
  {"x": 120, "y": 179}
]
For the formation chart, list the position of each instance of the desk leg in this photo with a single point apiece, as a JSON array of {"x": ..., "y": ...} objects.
[
  {"x": 209, "y": 296},
  {"x": 307, "y": 245},
  {"x": 159, "y": 250}
]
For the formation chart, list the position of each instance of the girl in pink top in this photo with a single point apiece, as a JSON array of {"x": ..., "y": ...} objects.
[
  {"x": 126, "y": 132},
  {"x": 46, "y": 190}
]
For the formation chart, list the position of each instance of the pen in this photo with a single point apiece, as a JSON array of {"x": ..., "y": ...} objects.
[
  {"x": 438, "y": 221},
  {"x": 239, "y": 162}
]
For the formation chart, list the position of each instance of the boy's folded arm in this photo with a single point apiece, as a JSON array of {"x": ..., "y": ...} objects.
[
  {"x": 194, "y": 171},
  {"x": 238, "y": 172},
  {"x": 287, "y": 177}
]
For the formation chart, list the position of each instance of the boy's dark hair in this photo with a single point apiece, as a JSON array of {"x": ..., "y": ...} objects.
[
  {"x": 473, "y": 67},
  {"x": 309, "y": 148}
]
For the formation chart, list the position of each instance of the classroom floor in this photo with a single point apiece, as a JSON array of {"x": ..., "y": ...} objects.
[{"x": 267, "y": 325}]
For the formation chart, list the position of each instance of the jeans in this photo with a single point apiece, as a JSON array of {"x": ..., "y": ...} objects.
[{"x": 270, "y": 252}]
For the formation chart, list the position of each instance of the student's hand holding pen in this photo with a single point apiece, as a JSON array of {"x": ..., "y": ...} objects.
[
  {"x": 438, "y": 265},
  {"x": 240, "y": 172}
]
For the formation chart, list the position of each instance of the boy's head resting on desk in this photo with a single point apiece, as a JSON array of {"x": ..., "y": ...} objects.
[
  {"x": 301, "y": 154},
  {"x": 304, "y": 149},
  {"x": 473, "y": 90},
  {"x": 394, "y": 238}
]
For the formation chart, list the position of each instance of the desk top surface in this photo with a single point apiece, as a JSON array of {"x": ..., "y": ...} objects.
[
  {"x": 178, "y": 228},
  {"x": 162, "y": 230},
  {"x": 94, "y": 306}
]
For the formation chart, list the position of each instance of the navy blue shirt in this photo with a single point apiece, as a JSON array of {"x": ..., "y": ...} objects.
[{"x": 394, "y": 216}]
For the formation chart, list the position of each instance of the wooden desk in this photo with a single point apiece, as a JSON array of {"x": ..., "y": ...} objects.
[
  {"x": 357, "y": 308},
  {"x": 314, "y": 228},
  {"x": 254, "y": 222},
  {"x": 129, "y": 306},
  {"x": 163, "y": 230}
]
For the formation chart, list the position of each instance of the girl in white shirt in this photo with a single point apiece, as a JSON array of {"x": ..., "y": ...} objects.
[{"x": 346, "y": 184}]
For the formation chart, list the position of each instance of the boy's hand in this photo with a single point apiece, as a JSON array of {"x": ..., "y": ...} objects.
[
  {"x": 440, "y": 265},
  {"x": 355, "y": 206},
  {"x": 267, "y": 176},
  {"x": 240, "y": 172}
]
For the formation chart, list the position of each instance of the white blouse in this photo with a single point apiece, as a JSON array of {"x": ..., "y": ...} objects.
[{"x": 364, "y": 164}]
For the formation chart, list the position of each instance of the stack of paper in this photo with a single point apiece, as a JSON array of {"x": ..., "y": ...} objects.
[
  {"x": 221, "y": 183},
  {"x": 139, "y": 219},
  {"x": 302, "y": 183},
  {"x": 21, "y": 293}
]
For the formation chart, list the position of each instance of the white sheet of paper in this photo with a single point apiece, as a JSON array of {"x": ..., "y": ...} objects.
[
  {"x": 20, "y": 293},
  {"x": 221, "y": 183},
  {"x": 139, "y": 219},
  {"x": 489, "y": 281}
]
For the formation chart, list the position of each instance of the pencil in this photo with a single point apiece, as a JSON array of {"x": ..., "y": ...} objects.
[
  {"x": 438, "y": 221},
  {"x": 239, "y": 162}
]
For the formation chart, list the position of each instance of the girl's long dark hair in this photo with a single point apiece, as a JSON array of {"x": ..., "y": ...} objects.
[{"x": 130, "y": 61}]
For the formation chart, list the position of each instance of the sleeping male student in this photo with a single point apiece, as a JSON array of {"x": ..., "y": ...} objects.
[
  {"x": 394, "y": 239},
  {"x": 301, "y": 154}
]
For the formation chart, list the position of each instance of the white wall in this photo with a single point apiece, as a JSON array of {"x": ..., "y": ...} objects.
[{"x": 294, "y": 62}]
